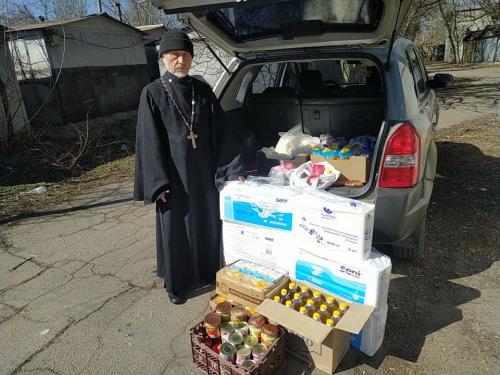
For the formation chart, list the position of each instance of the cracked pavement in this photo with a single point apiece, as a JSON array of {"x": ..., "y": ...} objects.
[{"x": 79, "y": 293}]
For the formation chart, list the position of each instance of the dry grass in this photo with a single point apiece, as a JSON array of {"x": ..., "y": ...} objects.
[{"x": 110, "y": 160}]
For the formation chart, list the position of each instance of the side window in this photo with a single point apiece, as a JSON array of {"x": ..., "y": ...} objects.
[
  {"x": 267, "y": 77},
  {"x": 291, "y": 76},
  {"x": 418, "y": 74}
]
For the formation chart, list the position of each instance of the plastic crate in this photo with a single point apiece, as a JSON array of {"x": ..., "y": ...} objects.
[{"x": 212, "y": 363}]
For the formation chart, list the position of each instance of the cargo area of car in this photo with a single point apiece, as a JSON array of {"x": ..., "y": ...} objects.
[{"x": 339, "y": 97}]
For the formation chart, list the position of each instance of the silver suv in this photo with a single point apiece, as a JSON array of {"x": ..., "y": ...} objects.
[{"x": 333, "y": 66}]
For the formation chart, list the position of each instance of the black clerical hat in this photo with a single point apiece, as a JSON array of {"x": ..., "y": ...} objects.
[{"x": 175, "y": 40}]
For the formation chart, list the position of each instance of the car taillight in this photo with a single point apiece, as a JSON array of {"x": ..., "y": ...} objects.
[{"x": 400, "y": 165}]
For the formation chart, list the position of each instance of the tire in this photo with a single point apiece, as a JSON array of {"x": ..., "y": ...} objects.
[{"x": 413, "y": 247}]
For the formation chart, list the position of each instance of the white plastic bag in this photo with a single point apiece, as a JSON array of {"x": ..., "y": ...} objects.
[
  {"x": 307, "y": 175},
  {"x": 291, "y": 144},
  {"x": 280, "y": 174}
]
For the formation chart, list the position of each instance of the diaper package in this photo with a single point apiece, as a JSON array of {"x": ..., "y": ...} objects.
[
  {"x": 264, "y": 205},
  {"x": 370, "y": 339},
  {"x": 329, "y": 226},
  {"x": 269, "y": 247},
  {"x": 361, "y": 281}
]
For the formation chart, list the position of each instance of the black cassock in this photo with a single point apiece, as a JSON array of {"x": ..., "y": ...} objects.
[{"x": 188, "y": 229}]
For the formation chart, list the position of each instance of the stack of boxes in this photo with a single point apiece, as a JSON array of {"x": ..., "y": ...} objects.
[{"x": 321, "y": 240}]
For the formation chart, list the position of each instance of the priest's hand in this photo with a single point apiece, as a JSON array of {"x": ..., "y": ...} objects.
[
  {"x": 241, "y": 178},
  {"x": 163, "y": 196}
]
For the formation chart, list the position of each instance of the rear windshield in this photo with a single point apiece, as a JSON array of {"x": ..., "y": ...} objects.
[{"x": 296, "y": 18}]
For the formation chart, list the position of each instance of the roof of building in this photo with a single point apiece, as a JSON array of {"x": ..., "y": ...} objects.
[
  {"x": 479, "y": 34},
  {"x": 46, "y": 24},
  {"x": 151, "y": 27}
]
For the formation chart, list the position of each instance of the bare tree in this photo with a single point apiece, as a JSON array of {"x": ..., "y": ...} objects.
[
  {"x": 418, "y": 15},
  {"x": 460, "y": 16},
  {"x": 69, "y": 8}
]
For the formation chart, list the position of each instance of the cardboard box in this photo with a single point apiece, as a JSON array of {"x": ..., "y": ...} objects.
[
  {"x": 356, "y": 168},
  {"x": 313, "y": 341},
  {"x": 267, "y": 206},
  {"x": 328, "y": 225},
  {"x": 244, "y": 294},
  {"x": 269, "y": 247}
]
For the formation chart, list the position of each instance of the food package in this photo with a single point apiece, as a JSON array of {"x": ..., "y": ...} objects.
[
  {"x": 361, "y": 281},
  {"x": 329, "y": 225},
  {"x": 253, "y": 275},
  {"x": 314, "y": 175}
]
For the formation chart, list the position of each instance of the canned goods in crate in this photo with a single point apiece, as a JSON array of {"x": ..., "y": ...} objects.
[
  {"x": 255, "y": 325},
  {"x": 258, "y": 352},
  {"x": 212, "y": 325},
  {"x": 235, "y": 339},
  {"x": 248, "y": 364},
  {"x": 250, "y": 341},
  {"x": 242, "y": 328},
  {"x": 225, "y": 331},
  {"x": 242, "y": 354},
  {"x": 228, "y": 352},
  {"x": 270, "y": 333},
  {"x": 224, "y": 310},
  {"x": 239, "y": 314}
]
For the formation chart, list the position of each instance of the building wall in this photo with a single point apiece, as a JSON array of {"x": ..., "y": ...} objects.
[
  {"x": 98, "y": 67},
  {"x": 12, "y": 112},
  {"x": 487, "y": 49},
  {"x": 95, "y": 42}
]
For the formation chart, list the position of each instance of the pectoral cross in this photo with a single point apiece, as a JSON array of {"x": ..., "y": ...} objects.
[{"x": 192, "y": 137}]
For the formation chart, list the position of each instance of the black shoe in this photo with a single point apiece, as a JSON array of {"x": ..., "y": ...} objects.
[{"x": 176, "y": 300}]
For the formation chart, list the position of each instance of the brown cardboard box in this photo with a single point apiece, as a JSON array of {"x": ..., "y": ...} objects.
[
  {"x": 313, "y": 341},
  {"x": 355, "y": 168},
  {"x": 240, "y": 293}
]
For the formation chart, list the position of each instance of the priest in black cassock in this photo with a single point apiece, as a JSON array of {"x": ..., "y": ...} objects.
[{"x": 185, "y": 151}]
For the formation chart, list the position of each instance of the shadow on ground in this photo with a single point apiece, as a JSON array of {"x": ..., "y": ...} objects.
[{"x": 469, "y": 94}]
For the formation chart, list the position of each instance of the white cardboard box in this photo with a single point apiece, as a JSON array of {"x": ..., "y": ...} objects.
[{"x": 328, "y": 225}]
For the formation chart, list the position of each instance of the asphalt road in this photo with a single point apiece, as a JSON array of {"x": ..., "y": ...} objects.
[
  {"x": 79, "y": 295},
  {"x": 476, "y": 92}
]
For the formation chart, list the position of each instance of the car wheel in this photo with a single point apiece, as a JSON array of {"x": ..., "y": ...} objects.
[{"x": 413, "y": 247}]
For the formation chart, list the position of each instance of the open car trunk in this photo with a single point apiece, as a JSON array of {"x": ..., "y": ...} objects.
[{"x": 339, "y": 97}]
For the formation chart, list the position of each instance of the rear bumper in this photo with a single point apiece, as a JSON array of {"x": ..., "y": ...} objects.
[{"x": 398, "y": 212}]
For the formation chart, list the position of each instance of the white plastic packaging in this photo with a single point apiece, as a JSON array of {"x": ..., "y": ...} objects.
[
  {"x": 292, "y": 143},
  {"x": 370, "y": 339},
  {"x": 361, "y": 281},
  {"x": 303, "y": 176},
  {"x": 269, "y": 247},
  {"x": 329, "y": 226},
  {"x": 264, "y": 205}
]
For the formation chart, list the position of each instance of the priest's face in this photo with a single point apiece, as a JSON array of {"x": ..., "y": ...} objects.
[{"x": 177, "y": 62}]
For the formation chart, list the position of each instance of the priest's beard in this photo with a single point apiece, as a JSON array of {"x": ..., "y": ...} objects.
[{"x": 179, "y": 73}]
